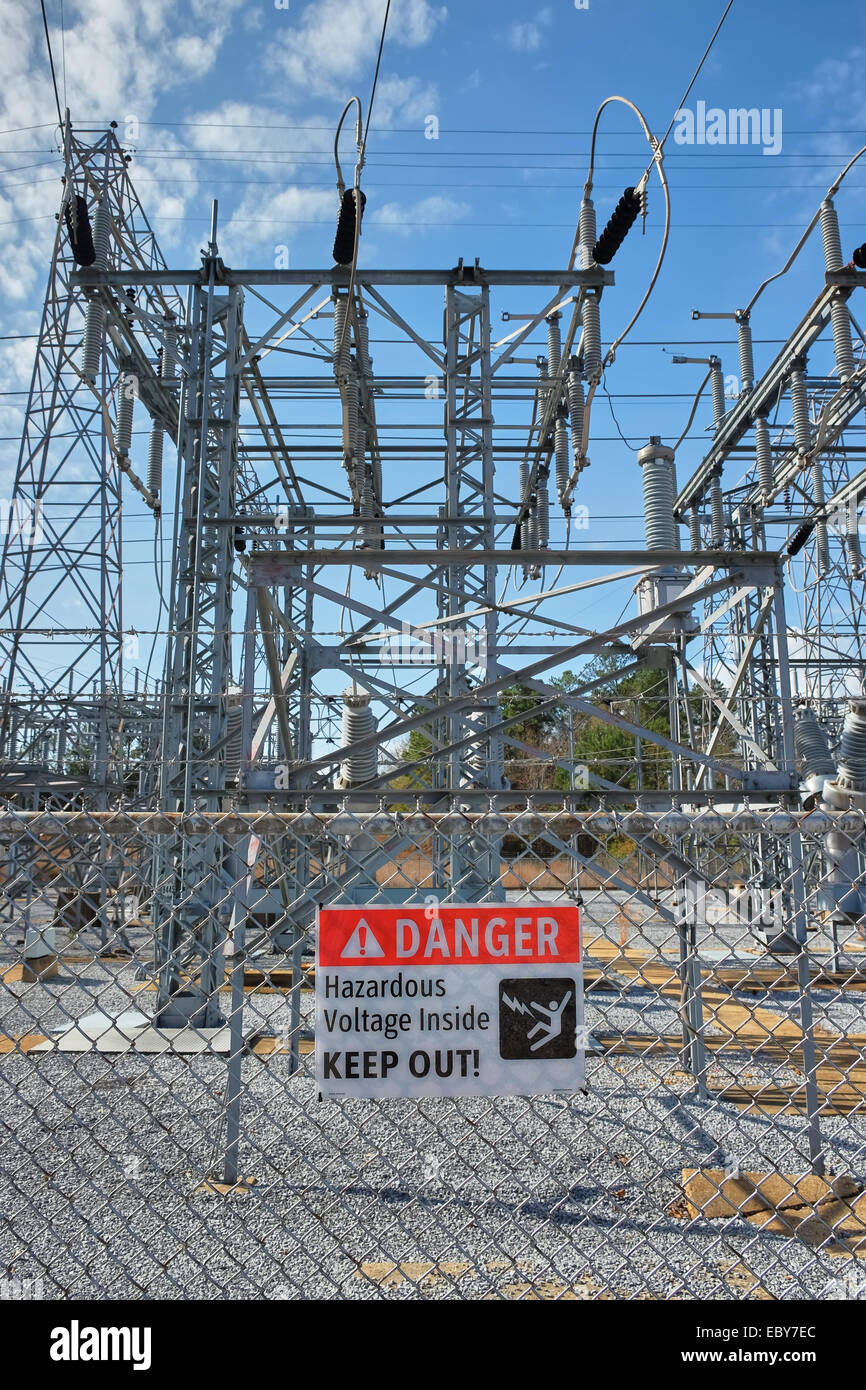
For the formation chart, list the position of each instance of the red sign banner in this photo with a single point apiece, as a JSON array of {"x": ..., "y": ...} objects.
[{"x": 457, "y": 934}]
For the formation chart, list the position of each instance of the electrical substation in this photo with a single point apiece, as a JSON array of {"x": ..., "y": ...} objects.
[{"x": 370, "y": 572}]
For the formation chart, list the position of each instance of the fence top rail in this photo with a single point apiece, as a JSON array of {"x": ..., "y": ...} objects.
[{"x": 530, "y": 822}]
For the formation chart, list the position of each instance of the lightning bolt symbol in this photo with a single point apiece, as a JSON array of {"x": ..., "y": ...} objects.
[{"x": 516, "y": 1006}]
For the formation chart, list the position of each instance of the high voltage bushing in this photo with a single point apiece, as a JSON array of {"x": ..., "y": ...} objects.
[
  {"x": 764, "y": 456},
  {"x": 619, "y": 224},
  {"x": 656, "y": 462},
  {"x": 851, "y": 776},
  {"x": 813, "y": 750},
  {"x": 717, "y": 513},
  {"x": 94, "y": 314},
  {"x": 344, "y": 242},
  {"x": 744, "y": 342},
  {"x": 358, "y": 722},
  {"x": 591, "y": 319},
  {"x": 586, "y": 233}
]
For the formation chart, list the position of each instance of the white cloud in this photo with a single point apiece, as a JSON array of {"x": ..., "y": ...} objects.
[
  {"x": 337, "y": 40},
  {"x": 527, "y": 37},
  {"x": 258, "y": 225},
  {"x": 119, "y": 60},
  {"x": 408, "y": 218}
]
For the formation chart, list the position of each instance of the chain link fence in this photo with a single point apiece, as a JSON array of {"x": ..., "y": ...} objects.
[{"x": 161, "y": 1132}]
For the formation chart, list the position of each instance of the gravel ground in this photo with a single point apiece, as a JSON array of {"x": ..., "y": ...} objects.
[{"x": 102, "y": 1158}]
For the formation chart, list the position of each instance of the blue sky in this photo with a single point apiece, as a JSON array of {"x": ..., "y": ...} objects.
[{"x": 237, "y": 99}]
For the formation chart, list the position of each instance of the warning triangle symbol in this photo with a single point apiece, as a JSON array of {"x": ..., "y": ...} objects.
[{"x": 362, "y": 944}]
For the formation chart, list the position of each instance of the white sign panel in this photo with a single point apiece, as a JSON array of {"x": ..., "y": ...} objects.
[{"x": 465, "y": 1000}]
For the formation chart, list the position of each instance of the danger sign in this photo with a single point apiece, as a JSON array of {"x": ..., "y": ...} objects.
[{"x": 469, "y": 999}]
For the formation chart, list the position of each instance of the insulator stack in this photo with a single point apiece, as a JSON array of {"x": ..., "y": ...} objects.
[
  {"x": 542, "y": 507},
  {"x": 839, "y": 316},
  {"x": 358, "y": 465},
  {"x": 822, "y": 544},
  {"x": 560, "y": 448},
  {"x": 764, "y": 457},
  {"x": 554, "y": 343},
  {"x": 358, "y": 722},
  {"x": 842, "y": 343},
  {"x": 717, "y": 514},
  {"x": 852, "y": 752},
  {"x": 747, "y": 361},
  {"x": 619, "y": 224},
  {"x": 586, "y": 232},
  {"x": 154, "y": 459},
  {"x": 473, "y": 760},
  {"x": 532, "y": 524},
  {"x": 813, "y": 751},
  {"x": 341, "y": 335},
  {"x": 348, "y": 387},
  {"x": 576, "y": 404},
  {"x": 348, "y": 226},
  {"x": 800, "y": 411},
  {"x": 168, "y": 357},
  {"x": 852, "y": 544},
  {"x": 94, "y": 325},
  {"x": 656, "y": 462},
  {"x": 365, "y": 364},
  {"x": 717, "y": 386},
  {"x": 591, "y": 320},
  {"x": 694, "y": 528},
  {"x": 349, "y": 391},
  {"x": 94, "y": 314},
  {"x": 77, "y": 222},
  {"x": 125, "y": 408},
  {"x": 371, "y": 528},
  {"x": 830, "y": 236}
]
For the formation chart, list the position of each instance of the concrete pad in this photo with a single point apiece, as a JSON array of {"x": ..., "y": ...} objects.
[{"x": 133, "y": 1031}]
